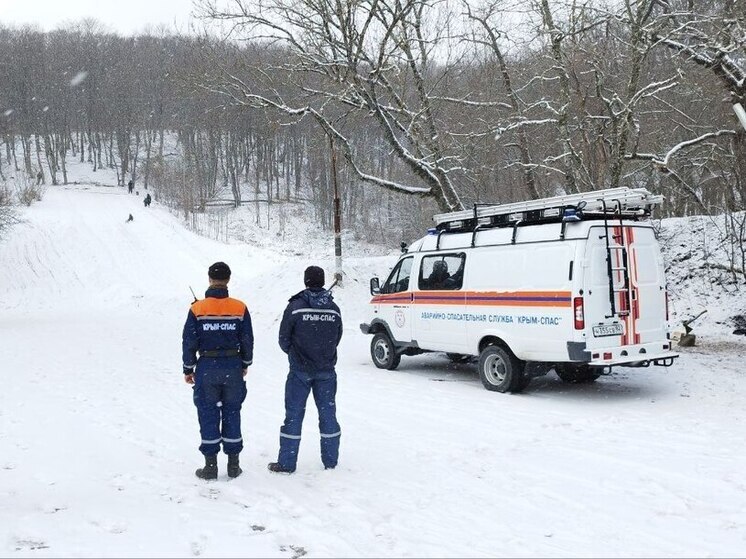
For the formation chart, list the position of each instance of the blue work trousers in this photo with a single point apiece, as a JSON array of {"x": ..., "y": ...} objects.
[
  {"x": 297, "y": 388},
  {"x": 218, "y": 395}
]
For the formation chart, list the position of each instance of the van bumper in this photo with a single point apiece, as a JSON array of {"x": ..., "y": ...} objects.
[{"x": 640, "y": 355}]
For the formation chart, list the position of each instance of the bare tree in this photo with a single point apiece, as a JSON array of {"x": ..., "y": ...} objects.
[
  {"x": 489, "y": 35},
  {"x": 368, "y": 59},
  {"x": 8, "y": 215},
  {"x": 435, "y": 105},
  {"x": 712, "y": 35}
]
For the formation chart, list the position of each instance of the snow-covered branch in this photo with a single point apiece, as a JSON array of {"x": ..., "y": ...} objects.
[
  {"x": 499, "y": 131},
  {"x": 664, "y": 161},
  {"x": 469, "y": 103}
]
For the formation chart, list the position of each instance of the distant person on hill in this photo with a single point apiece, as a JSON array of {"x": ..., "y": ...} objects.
[
  {"x": 39, "y": 177},
  {"x": 130, "y": 186},
  {"x": 310, "y": 332},
  {"x": 146, "y": 201},
  {"x": 130, "y": 218},
  {"x": 218, "y": 328}
]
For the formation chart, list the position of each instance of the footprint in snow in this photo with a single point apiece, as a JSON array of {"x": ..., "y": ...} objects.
[
  {"x": 210, "y": 493},
  {"x": 197, "y": 548},
  {"x": 297, "y": 551},
  {"x": 52, "y": 509},
  {"x": 30, "y": 545}
]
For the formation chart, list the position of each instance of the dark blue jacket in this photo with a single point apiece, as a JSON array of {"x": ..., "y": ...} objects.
[
  {"x": 219, "y": 329},
  {"x": 310, "y": 331}
]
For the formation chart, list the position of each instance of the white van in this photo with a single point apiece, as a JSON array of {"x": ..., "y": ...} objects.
[{"x": 575, "y": 283}]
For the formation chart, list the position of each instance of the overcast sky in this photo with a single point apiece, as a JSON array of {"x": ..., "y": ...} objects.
[{"x": 125, "y": 17}]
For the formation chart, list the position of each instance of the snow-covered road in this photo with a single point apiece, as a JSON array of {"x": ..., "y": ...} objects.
[{"x": 98, "y": 433}]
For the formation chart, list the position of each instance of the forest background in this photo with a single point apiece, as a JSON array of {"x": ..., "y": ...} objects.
[{"x": 421, "y": 106}]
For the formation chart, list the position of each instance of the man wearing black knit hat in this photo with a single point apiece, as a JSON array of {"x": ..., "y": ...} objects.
[
  {"x": 219, "y": 329},
  {"x": 310, "y": 331}
]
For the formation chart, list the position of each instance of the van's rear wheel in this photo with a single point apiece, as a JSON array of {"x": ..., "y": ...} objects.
[
  {"x": 577, "y": 373},
  {"x": 501, "y": 371},
  {"x": 383, "y": 352}
]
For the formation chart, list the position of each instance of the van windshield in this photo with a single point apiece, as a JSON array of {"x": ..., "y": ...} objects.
[{"x": 398, "y": 279}]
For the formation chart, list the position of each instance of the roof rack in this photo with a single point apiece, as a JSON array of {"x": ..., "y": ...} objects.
[{"x": 623, "y": 202}]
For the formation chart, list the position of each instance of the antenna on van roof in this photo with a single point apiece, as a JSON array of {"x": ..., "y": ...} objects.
[{"x": 623, "y": 202}]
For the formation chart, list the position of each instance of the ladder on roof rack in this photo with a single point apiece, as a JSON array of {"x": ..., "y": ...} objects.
[{"x": 628, "y": 202}]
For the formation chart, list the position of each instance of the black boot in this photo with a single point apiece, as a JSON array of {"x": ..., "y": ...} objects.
[
  {"x": 278, "y": 468},
  {"x": 210, "y": 471},
  {"x": 234, "y": 470}
]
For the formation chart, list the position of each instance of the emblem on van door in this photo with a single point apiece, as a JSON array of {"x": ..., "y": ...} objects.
[{"x": 399, "y": 318}]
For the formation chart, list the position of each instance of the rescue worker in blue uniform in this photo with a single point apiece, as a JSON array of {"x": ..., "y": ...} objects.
[
  {"x": 310, "y": 331},
  {"x": 218, "y": 328}
]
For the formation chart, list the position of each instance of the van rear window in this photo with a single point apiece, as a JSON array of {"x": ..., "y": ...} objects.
[{"x": 647, "y": 265}]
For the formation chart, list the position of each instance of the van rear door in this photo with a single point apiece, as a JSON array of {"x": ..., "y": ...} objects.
[
  {"x": 638, "y": 312},
  {"x": 647, "y": 276},
  {"x": 605, "y": 323}
]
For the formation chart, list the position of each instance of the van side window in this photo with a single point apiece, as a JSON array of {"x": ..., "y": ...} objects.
[
  {"x": 398, "y": 279},
  {"x": 444, "y": 271}
]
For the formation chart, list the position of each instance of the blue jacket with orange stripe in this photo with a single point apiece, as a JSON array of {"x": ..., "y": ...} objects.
[{"x": 219, "y": 329}]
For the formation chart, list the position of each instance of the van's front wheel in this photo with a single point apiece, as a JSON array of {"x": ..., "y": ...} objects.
[
  {"x": 383, "y": 352},
  {"x": 501, "y": 371}
]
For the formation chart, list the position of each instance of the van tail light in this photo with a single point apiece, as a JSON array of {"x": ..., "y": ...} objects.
[
  {"x": 577, "y": 305},
  {"x": 666, "y": 305}
]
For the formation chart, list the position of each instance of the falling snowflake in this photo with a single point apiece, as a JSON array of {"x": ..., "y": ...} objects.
[
  {"x": 78, "y": 78},
  {"x": 8, "y": 112}
]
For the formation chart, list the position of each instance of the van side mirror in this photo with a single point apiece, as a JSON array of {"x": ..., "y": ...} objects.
[{"x": 375, "y": 287}]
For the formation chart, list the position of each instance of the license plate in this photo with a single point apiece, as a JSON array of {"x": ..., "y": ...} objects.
[{"x": 608, "y": 330}]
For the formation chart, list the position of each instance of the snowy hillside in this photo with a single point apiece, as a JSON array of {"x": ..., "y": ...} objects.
[
  {"x": 99, "y": 436},
  {"x": 697, "y": 252}
]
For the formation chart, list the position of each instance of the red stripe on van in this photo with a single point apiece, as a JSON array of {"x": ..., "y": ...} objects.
[
  {"x": 392, "y": 298},
  {"x": 618, "y": 233},
  {"x": 439, "y": 298},
  {"x": 519, "y": 298},
  {"x": 560, "y": 299},
  {"x": 636, "y": 300}
]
